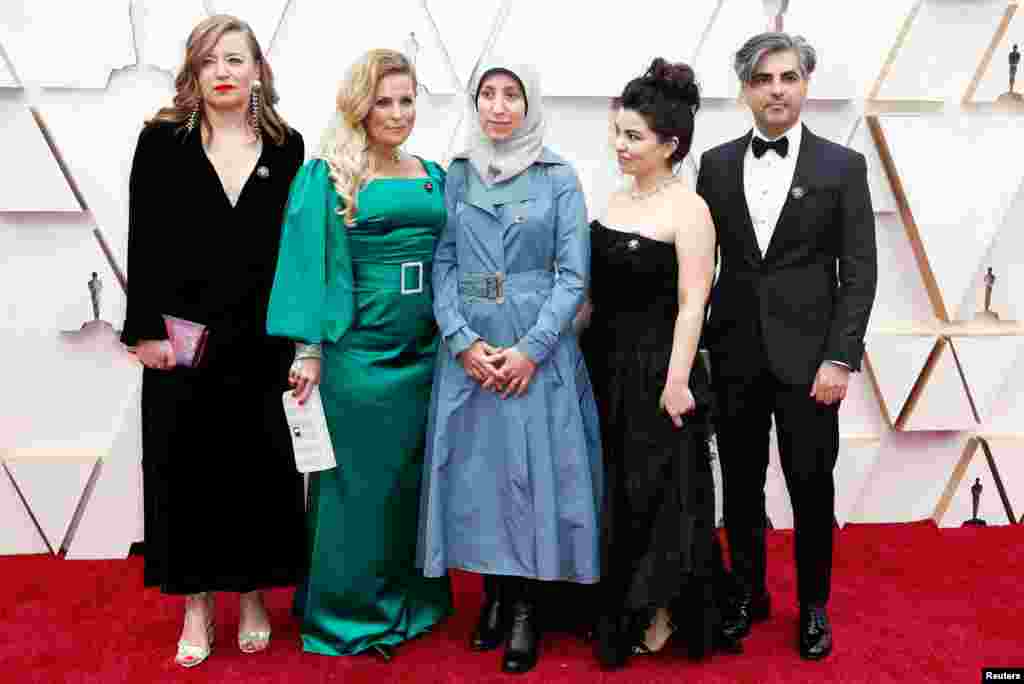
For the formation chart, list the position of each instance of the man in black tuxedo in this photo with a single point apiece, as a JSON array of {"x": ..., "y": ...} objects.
[{"x": 789, "y": 310}]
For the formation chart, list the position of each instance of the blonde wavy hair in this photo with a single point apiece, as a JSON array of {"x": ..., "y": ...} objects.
[
  {"x": 345, "y": 145},
  {"x": 188, "y": 97}
]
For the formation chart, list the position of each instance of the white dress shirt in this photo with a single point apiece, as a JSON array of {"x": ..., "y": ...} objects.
[{"x": 766, "y": 182}]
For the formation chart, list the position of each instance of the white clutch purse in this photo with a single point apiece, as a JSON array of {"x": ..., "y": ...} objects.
[{"x": 311, "y": 440}]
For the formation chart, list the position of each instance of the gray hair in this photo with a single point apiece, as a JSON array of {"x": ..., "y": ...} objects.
[{"x": 763, "y": 44}]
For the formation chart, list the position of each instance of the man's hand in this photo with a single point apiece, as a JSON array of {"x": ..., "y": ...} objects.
[{"x": 830, "y": 383}]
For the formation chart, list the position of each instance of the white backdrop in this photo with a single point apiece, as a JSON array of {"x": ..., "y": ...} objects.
[{"x": 77, "y": 79}]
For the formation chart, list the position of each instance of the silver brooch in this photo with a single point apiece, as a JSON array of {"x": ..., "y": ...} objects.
[
  {"x": 519, "y": 219},
  {"x": 633, "y": 244},
  {"x": 262, "y": 171},
  {"x": 798, "y": 192}
]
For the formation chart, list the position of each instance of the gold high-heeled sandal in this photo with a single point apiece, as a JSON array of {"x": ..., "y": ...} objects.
[
  {"x": 254, "y": 641},
  {"x": 190, "y": 655}
]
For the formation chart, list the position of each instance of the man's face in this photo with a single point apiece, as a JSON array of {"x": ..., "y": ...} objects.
[{"x": 776, "y": 92}]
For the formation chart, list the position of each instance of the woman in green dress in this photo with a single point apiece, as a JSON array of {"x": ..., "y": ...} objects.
[{"x": 353, "y": 289}]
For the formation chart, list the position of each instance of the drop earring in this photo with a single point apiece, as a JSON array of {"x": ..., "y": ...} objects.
[
  {"x": 193, "y": 119},
  {"x": 255, "y": 102}
]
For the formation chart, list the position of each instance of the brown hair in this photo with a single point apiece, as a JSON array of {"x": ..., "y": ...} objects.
[{"x": 187, "y": 96}]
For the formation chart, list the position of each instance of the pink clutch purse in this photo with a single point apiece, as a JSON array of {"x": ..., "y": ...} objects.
[{"x": 188, "y": 340}]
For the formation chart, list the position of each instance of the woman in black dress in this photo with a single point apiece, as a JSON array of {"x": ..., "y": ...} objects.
[
  {"x": 660, "y": 560},
  {"x": 209, "y": 182}
]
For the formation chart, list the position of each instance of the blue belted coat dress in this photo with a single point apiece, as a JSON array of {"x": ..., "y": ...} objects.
[{"x": 512, "y": 486}]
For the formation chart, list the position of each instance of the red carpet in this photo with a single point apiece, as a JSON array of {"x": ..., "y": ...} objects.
[{"x": 911, "y": 603}]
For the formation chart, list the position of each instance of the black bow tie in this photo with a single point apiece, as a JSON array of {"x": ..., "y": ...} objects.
[{"x": 760, "y": 146}]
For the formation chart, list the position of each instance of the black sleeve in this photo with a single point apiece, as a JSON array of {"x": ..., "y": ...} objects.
[
  {"x": 858, "y": 268},
  {"x": 143, "y": 320}
]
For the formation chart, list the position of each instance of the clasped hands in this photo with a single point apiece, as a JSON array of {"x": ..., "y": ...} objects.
[{"x": 507, "y": 371}]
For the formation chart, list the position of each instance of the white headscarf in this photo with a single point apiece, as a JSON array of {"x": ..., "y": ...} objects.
[{"x": 499, "y": 161}]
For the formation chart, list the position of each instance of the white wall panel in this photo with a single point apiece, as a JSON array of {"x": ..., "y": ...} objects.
[
  {"x": 897, "y": 361},
  {"x": 161, "y": 29},
  {"x": 1004, "y": 257},
  {"x": 736, "y": 21},
  {"x": 18, "y": 534},
  {"x": 986, "y": 363},
  {"x": 901, "y": 295},
  {"x": 996, "y": 79},
  {"x": 465, "y": 29},
  {"x": 943, "y": 403},
  {"x": 1010, "y": 464},
  {"x": 858, "y": 458},
  {"x": 942, "y": 49},
  {"x": 46, "y": 42},
  {"x": 861, "y": 413},
  {"x": 882, "y": 198},
  {"x": 34, "y": 181},
  {"x": 264, "y": 16},
  {"x": 958, "y": 206},
  {"x": 47, "y": 267},
  {"x": 582, "y": 48}
]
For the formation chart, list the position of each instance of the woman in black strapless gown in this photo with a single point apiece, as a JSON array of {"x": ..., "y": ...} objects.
[{"x": 661, "y": 563}]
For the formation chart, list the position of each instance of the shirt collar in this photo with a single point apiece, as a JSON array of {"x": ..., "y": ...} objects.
[{"x": 795, "y": 134}]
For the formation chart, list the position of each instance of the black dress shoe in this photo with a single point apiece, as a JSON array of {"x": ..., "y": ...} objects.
[
  {"x": 490, "y": 627},
  {"x": 523, "y": 639},
  {"x": 725, "y": 643},
  {"x": 744, "y": 611},
  {"x": 815, "y": 633}
]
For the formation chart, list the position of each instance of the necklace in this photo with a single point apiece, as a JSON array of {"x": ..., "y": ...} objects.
[{"x": 666, "y": 182}]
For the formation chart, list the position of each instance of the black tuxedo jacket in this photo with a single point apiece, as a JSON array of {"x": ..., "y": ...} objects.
[{"x": 808, "y": 299}]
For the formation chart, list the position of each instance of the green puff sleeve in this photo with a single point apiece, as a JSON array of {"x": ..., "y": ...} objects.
[{"x": 312, "y": 298}]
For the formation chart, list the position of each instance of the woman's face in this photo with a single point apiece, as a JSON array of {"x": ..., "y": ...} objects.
[
  {"x": 393, "y": 112},
  {"x": 227, "y": 73},
  {"x": 636, "y": 145},
  {"x": 501, "y": 106}
]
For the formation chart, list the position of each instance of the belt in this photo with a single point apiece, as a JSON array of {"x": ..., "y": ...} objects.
[
  {"x": 494, "y": 286},
  {"x": 410, "y": 277}
]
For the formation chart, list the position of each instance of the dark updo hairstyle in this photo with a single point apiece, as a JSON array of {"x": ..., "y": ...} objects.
[{"x": 667, "y": 97}]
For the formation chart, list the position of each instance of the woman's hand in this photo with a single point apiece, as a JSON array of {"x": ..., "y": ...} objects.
[
  {"x": 304, "y": 376},
  {"x": 480, "y": 362},
  {"x": 677, "y": 400},
  {"x": 156, "y": 354},
  {"x": 515, "y": 370}
]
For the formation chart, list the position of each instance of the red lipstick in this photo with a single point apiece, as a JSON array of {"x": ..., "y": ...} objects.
[{"x": 223, "y": 88}]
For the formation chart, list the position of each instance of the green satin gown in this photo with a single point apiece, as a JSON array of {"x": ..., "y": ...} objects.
[{"x": 364, "y": 292}]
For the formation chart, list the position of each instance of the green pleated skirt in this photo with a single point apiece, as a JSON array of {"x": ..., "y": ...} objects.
[{"x": 363, "y": 588}]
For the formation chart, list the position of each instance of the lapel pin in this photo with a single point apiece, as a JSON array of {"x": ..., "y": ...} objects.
[
  {"x": 262, "y": 171},
  {"x": 797, "y": 192},
  {"x": 519, "y": 219},
  {"x": 633, "y": 244},
  {"x": 428, "y": 186}
]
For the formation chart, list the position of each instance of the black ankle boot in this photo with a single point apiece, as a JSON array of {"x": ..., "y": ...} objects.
[
  {"x": 521, "y": 647},
  {"x": 490, "y": 627}
]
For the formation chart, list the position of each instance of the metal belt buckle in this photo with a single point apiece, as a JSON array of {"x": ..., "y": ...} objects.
[
  {"x": 499, "y": 287},
  {"x": 418, "y": 265}
]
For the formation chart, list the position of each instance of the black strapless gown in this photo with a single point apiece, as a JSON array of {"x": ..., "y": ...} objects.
[{"x": 659, "y": 543}]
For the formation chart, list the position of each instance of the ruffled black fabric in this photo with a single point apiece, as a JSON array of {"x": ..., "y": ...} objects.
[{"x": 658, "y": 530}]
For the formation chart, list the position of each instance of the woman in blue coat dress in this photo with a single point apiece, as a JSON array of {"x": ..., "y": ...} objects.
[{"x": 512, "y": 479}]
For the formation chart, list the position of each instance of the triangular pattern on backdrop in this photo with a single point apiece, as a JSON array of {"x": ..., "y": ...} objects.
[
  {"x": 18, "y": 534},
  {"x": 577, "y": 54},
  {"x": 936, "y": 193},
  {"x": 902, "y": 295},
  {"x": 941, "y": 402},
  {"x": 896, "y": 362},
  {"x": 882, "y": 198},
  {"x": 857, "y": 458},
  {"x": 957, "y": 503},
  {"x": 465, "y": 29},
  {"x": 437, "y": 117},
  {"x": 992, "y": 77},
  {"x": 52, "y": 487},
  {"x": 92, "y": 39},
  {"x": 35, "y": 183},
  {"x": 110, "y": 519},
  {"x": 161, "y": 29},
  {"x": 986, "y": 363},
  {"x": 97, "y": 140},
  {"x": 264, "y": 16},
  {"x": 922, "y": 72},
  {"x": 7, "y": 77}
]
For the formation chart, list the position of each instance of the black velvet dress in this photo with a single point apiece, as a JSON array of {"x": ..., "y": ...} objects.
[
  {"x": 659, "y": 546},
  {"x": 223, "y": 501}
]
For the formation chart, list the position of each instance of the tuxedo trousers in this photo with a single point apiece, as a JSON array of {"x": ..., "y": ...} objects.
[{"x": 808, "y": 438}]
